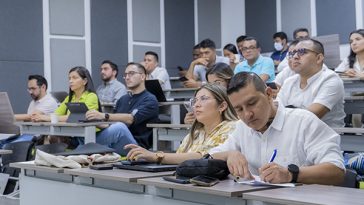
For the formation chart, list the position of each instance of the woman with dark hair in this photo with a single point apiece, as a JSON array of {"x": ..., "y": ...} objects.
[
  {"x": 231, "y": 52},
  {"x": 81, "y": 89},
  {"x": 216, "y": 121},
  {"x": 353, "y": 66}
]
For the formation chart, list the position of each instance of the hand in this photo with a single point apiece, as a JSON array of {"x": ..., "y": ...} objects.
[
  {"x": 191, "y": 83},
  {"x": 94, "y": 115},
  {"x": 189, "y": 118},
  {"x": 37, "y": 117},
  {"x": 351, "y": 73},
  {"x": 238, "y": 165},
  {"x": 274, "y": 173},
  {"x": 201, "y": 61},
  {"x": 138, "y": 152}
]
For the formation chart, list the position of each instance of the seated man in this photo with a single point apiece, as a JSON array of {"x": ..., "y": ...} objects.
[
  {"x": 280, "y": 46},
  {"x": 111, "y": 89},
  {"x": 315, "y": 88},
  {"x": 254, "y": 62},
  {"x": 133, "y": 111},
  {"x": 154, "y": 72},
  {"x": 197, "y": 70},
  {"x": 42, "y": 103},
  {"x": 308, "y": 150}
]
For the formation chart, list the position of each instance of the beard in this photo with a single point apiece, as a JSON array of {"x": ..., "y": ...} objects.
[
  {"x": 35, "y": 97},
  {"x": 106, "y": 78}
]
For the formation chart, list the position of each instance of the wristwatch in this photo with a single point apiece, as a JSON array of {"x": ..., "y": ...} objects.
[
  {"x": 294, "y": 169},
  {"x": 107, "y": 116},
  {"x": 160, "y": 156}
]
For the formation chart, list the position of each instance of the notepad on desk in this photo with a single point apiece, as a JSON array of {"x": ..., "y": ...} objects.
[{"x": 258, "y": 182}]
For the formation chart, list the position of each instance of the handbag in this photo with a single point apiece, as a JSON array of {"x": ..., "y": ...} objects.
[{"x": 205, "y": 166}]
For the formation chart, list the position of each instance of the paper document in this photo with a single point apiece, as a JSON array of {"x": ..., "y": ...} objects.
[{"x": 258, "y": 182}]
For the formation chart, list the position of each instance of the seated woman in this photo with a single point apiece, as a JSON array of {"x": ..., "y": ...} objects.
[
  {"x": 81, "y": 89},
  {"x": 216, "y": 121},
  {"x": 220, "y": 73},
  {"x": 353, "y": 65},
  {"x": 231, "y": 52}
]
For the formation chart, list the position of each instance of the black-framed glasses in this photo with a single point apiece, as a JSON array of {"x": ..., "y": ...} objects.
[
  {"x": 300, "y": 52},
  {"x": 203, "y": 99},
  {"x": 131, "y": 74},
  {"x": 245, "y": 49}
]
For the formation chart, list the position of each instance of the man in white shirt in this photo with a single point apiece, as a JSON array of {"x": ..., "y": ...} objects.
[
  {"x": 111, "y": 89},
  {"x": 196, "y": 73},
  {"x": 42, "y": 102},
  {"x": 315, "y": 88},
  {"x": 155, "y": 72},
  {"x": 307, "y": 149}
]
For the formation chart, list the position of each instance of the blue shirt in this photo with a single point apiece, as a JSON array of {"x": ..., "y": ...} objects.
[
  {"x": 144, "y": 106},
  {"x": 263, "y": 65},
  {"x": 279, "y": 55}
]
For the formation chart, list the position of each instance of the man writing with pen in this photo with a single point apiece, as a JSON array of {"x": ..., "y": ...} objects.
[{"x": 307, "y": 150}]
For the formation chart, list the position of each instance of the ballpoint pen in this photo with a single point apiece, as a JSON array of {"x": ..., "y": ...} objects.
[{"x": 274, "y": 154}]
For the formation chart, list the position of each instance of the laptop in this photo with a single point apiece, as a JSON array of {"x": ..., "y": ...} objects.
[
  {"x": 147, "y": 167},
  {"x": 154, "y": 87},
  {"x": 7, "y": 118}
]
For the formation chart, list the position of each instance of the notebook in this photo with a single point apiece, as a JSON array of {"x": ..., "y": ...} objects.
[
  {"x": 7, "y": 119},
  {"x": 154, "y": 87},
  {"x": 150, "y": 167}
]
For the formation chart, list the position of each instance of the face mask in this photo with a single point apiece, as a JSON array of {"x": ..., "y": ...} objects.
[{"x": 278, "y": 46}]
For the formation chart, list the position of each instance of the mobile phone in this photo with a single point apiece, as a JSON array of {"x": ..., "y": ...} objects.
[
  {"x": 272, "y": 85},
  {"x": 134, "y": 162},
  {"x": 204, "y": 181},
  {"x": 188, "y": 106},
  {"x": 177, "y": 179},
  {"x": 183, "y": 78},
  {"x": 101, "y": 166},
  {"x": 180, "y": 68}
]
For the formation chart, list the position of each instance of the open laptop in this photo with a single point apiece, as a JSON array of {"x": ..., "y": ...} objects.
[
  {"x": 154, "y": 87},
  {"x": 7, "y": 119},
  {"x": 147, "y": 167}
]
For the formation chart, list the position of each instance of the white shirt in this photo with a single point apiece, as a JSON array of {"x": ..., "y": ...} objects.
[
  {"x": 46, "y": 105},
  {"x": 282, "y": 65},
  {"x": 325, "y": 88},
  {"x": 199, "y": 71},
  {"x": 344, "y": 66},
  {"x": 283, "y": 75},
  {"x": 161, "y": 74},
  {"x": 298, "y": 135}
]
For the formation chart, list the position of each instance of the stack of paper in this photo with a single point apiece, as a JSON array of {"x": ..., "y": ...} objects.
[{"x": 258, "y": 182}]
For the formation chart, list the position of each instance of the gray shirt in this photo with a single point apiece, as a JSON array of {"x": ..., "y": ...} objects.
[
  {"x": 200, "y": 70},
  {"x": 111, "y": 91}
]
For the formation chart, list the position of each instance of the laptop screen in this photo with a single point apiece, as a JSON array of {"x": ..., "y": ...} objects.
[
  {"x": 155, "y": 88},
  {"x": 7, "y": 119}
]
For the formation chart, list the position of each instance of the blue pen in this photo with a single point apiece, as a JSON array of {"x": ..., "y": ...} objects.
[{"x": 274, "y": 154}]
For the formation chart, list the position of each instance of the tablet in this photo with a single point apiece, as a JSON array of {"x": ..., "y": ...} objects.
[
  {"x": 78, "y": 110},
  {"x": 150, "y": 167}
]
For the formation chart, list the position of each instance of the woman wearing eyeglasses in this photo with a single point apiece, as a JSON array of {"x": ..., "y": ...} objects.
[{"x": 216, "y": 121}]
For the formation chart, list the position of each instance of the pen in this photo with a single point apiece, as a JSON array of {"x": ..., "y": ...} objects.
[{"x": 274, "y": 154}]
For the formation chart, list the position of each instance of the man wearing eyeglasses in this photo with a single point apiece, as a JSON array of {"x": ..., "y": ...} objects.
[
  {"x": 254, "y": 62},
  {"x": 315, "y": 88},
  {"x": 132, "y": 112}
]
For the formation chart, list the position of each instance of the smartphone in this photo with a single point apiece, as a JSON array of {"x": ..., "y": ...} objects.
[
  {"x": 183, "y": 78},
  {"x": 177, "y": 179},
  {"x": 180, "y": 68},
  {"x": 188, "y": 106},
  {"x": 204, "y": 181},
  {"x": 101, "y": 166},
  {"x": 272, "y": 85},
  {"x": 134, "y": 162}
]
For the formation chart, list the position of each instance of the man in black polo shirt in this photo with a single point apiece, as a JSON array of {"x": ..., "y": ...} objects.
[{"x": 133, "y": 111}]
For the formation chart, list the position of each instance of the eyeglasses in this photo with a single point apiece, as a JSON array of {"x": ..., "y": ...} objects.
[
  {"x": 203, "y": 99},
  {"x": 32, "y": 88},
  {"x": 245, "y": 49},
  {"x": 300, "y": 52},
  {"x": 131, "y": 74}
]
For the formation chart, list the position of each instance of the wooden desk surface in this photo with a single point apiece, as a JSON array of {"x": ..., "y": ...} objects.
[
  {"x": 115, "y": 174},
  {"x": 309, "y": 194},
  {"x": 5, "y": 151},
  {"x": 31, "y": 166},
  {"x": 186, "y": 126},
  {"x": 226, "y": 188},
  {"x": 62, "y": 124}
]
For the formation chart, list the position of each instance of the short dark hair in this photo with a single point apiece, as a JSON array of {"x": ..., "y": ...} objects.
[
  {"x": 231, "y": 47},
  {"x": 243, "y": 79},
  {"x": 240, "y": 39},
  {"x": 113, "y": 66},
  {"x": 280, "y": 35},
  {"x": 294, "y": 42},
  {"x": 139, "y": 66},
  {"x": 207, "y": 43},
  {"x": 299, "y": 30},
  {"x": 251, "y": 38},
  {"x": 153, "y": 54},
  {"x": 40, "y": 80},
  {"x": 197, "y": 46},
  {"x": 317, "y": 45}
]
